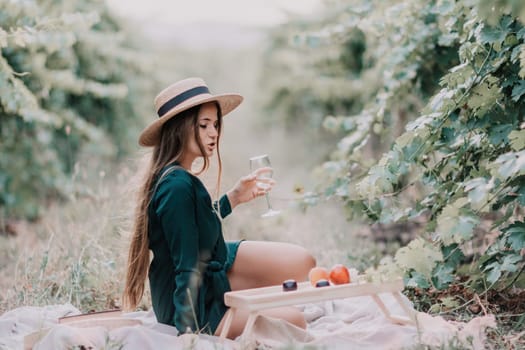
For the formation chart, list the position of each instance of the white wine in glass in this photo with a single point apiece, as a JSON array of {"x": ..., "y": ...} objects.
[{"x": 261, "y": 162}]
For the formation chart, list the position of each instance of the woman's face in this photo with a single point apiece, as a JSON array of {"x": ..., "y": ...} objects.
[{"x": 208, "y": 126}]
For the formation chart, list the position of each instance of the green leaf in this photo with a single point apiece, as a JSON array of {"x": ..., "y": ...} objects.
[
  {"x": 458, "y": 75},
  {"x": 452, "y": 255},
  {"x": 499, "y": 134},
  {"x": 423, "y": 121},
  {"x": 518, "y": 90},
  {"x": 456, "y": 224},
  {"x": 521, "y": 33},
  {"x": 380, "y": 180},
  {"x": 416, "y": 279},
  {"x": 406, "y": 138},
  {"x": 393, "y": 214},
  {"x": 442, "y": 101},
  {"x": 508, "y": 165},
  {"x": 387, "y": 270},
  {"x": 494, "y": 272},
  {"x": 492, "y": 35},
  {"x": 478, "y": 190},
  {"x": 515, "y": 54},
  {"x": 510, "y": 261},
  {"x": 419, "y": 256},
  {"x": 496, "y": 269},
  {"x": 484, "y": 96},
  {"x": 442, "y": 276},
  {"x": 415, "y": 149},
  {"x": 517, "y": 139},
  {"x": 516, "y": 235}
]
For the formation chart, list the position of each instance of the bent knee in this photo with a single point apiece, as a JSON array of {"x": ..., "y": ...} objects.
[
  {"x": 305, "y": 262},
  {"x": 309, "y": 260}
]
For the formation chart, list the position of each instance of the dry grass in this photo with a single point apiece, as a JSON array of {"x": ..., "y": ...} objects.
[
  {"x": 73, "y": 254},
  {"x": 76, "y": 253}
]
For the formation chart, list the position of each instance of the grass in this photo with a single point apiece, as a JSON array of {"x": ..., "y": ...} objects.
[
  {"x": 73, "y": 254},
  {"x": 76, "y": 253}
]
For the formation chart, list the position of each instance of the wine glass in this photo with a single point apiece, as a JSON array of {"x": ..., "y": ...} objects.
[{"x": 261, "y": 162}]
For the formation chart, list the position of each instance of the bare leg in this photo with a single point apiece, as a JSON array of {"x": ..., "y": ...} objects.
[{"x": 260, "y": 264}]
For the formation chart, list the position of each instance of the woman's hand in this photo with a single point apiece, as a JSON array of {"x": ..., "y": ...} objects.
[{"x": 246, "y": 188}]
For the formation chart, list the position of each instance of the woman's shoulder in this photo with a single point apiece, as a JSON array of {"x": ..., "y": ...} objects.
[
  {"x": 175, "y": 174},
  {"x": 174, "y": 184},
  {"x": 174, "y": 187}
]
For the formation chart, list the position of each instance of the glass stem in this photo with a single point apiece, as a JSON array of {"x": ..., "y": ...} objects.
[{"x": 268, "y": 201}]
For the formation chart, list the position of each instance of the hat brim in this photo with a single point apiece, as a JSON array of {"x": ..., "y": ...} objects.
[{"x": 151, "y": 134}]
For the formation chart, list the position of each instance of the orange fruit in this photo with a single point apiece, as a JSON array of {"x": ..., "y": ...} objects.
[
  {"x": 339, "y": 274},
  {"x": 317, "y": 273}
]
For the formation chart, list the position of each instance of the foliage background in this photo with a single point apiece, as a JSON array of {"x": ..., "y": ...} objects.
[
  {"x": 72, "y": 83},
  {"x": 426, "y": 102}
]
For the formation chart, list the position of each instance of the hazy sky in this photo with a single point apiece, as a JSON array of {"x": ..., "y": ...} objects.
[{"x": 243, "y": 12}]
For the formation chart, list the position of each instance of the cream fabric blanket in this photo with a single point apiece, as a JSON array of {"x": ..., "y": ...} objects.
[{"x": 353, "y": 323}]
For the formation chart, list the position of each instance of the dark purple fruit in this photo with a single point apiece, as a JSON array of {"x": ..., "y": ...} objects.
[
  {"x": 289, "y": 285},
  {"x": 322, "y": 283}
]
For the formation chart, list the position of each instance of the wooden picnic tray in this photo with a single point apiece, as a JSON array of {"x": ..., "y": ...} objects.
[{"x": 258, "y": 299}]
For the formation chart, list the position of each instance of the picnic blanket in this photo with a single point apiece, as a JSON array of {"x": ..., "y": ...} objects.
[{"x": 353, "y": 323}]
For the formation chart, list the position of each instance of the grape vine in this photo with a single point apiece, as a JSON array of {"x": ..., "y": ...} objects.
[
  {"x": 68, "y": 79},
  {"x": 430, "y": 122}
]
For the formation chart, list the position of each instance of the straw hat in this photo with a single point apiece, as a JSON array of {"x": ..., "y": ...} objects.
[{"x": 179, "y": 97}]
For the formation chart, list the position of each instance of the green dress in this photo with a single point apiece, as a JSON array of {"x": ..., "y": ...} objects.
[{"x": 190, "y": 257}]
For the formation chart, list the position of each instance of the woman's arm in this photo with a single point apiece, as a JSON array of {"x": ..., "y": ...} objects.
[{"x": 223, "y": 204}]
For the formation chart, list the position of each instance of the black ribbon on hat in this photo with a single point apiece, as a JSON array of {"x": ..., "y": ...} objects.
[{"x": 186, "y": 95}]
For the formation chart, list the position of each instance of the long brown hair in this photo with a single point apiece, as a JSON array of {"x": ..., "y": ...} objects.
[{"x": 174, "y": 138}]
